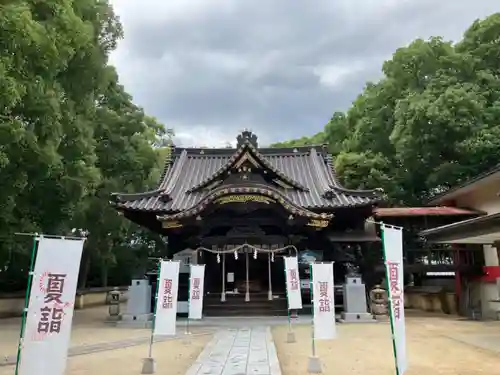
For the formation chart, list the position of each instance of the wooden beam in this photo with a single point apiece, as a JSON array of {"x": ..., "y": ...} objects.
[{"x": 239, "y": 240}]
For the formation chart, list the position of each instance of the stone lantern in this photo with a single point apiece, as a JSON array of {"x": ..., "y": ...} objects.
[
  {"x": 114, "y": 304},
  {"x": 379, "y": 301}
]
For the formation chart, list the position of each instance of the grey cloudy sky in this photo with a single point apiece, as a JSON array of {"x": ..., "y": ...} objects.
[{"x": 209, "y": 68}]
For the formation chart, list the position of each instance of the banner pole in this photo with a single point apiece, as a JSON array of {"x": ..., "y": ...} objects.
[
  {"x": 189, "y": 298},
  {"x": 149, "y": 365},
  {"x": 311, "y": 286},
  {"x": 26, "y": 303},
  {"x": 391, "y": 320},
  {"x": 314, "y": 363},
  {"x": 290, "y": 336}
]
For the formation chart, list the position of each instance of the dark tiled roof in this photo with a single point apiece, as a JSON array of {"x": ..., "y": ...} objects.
[{"x": 308, "y": 170}]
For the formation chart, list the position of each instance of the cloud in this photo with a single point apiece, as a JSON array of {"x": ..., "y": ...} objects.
[{"x": 209, "y": 68}]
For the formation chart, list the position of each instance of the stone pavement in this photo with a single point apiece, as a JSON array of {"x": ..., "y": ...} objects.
[{"x": 238, "y": 351}]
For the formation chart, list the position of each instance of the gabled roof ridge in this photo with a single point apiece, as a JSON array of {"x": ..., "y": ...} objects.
[
  {"x": 319, "y": 172},
  {"x": 237, "y": 154},
  {"x": 336, "y": 186},
  {"x": 127, "y": 197},
  {"x": 224, "y": 151},
  {"x": 167, "y": 164},
  {"x": 168, "y": 184}
]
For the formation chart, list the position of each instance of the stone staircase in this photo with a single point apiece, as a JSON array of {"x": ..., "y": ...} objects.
[{"x": 235, "y": 305}]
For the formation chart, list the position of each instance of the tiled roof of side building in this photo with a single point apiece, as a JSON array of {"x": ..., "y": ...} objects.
[{"x": 309, "y": 171}]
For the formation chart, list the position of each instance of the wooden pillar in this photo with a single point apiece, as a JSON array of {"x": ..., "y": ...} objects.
[
  {"x": 223, "y": 291},
  {"x": 247, "y": 293},
  {"x": 458, "y": 278},
  {"x": 270, "y": 292}
]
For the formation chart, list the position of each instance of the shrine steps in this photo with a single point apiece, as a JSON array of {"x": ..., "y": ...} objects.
[{"x": 235, "y": 305}]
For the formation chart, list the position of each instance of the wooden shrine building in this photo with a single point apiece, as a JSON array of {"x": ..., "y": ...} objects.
[{"x": 241, "y": 209}]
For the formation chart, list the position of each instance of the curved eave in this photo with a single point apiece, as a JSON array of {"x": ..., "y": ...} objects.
[
  {"x": 119, "y": 198},
  {"x": 373, "y": 195},
  {"x": 271, "y": 193},
  {"x": 247, "y": 146},
  {"x": 334, "y": 186},
  {"x": 168, "y": 178}
]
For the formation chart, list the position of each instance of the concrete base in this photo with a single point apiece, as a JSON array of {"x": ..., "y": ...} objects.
[
  {"x": 136, "y": 321},
  {"x": 290, "y": 337},
  {"x": 381, "y": 318},
  {"x": 148, "y": 366},
  {"x": 137, "y": 318},
  {"x": 314, "y": 366},
  {"x": 357, "y": 318},
  {"x": 113, "y": 318}
]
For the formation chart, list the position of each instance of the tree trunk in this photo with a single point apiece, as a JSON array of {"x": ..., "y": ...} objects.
[
  {"x": 104, "y": 273},
  {"x": 84, "y": 270}
]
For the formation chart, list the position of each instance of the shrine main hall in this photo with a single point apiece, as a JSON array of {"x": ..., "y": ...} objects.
[{"x": 240, "y": 210}]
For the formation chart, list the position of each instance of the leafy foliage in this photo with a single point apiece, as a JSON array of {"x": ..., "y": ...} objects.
[
  {"x": 431, "y": 122},
  {"x": 69, "y": 135}
]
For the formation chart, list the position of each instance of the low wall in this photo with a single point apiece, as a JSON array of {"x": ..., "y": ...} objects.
[
  {"x": 433, "y": 299},
  {"x": 12, "y": 305}
]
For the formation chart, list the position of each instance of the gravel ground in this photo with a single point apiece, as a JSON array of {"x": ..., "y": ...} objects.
[
  {"x": 90, "y": 330},
  {"x": 435, "y": 346},
  {"x": 173, "y": 357}
]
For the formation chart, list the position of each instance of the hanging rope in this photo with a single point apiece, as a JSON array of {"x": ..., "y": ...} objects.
[{"x": 251, "y": 247}]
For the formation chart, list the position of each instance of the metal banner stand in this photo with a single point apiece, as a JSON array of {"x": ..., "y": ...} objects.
[
  {"x": 290, "y": 335},
  {"x": 314, "y": 363},
  {"x": 149, "y": 363},
  {"x": 26, "y": 301},
  {"x": 187, "y": 341}
]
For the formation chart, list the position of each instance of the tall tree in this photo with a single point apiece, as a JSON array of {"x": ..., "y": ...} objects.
[
  {"x": 69, "y": 133},
  {"x": 432, "y": 121}
]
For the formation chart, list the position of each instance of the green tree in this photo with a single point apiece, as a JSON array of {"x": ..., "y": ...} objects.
[
  {"x": 431, "y": 122},
  {"x": 127, "y": 162},
  {"x": 53, "y": 55},
  {"x": 69, "y": 133}
]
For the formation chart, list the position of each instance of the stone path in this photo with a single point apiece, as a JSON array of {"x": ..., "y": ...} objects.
[{"x": 241, "y": 351}]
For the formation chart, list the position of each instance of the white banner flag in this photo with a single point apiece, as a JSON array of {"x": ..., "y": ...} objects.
[
  {"x": 51, "y": 303},
  {"x": 166, "y": 303},
  {"x": 393, "y": 249},
  {"x": 196, "y": 286},
  {"x": 323, "y": 301},
  {"x": 293, "y": 292}
]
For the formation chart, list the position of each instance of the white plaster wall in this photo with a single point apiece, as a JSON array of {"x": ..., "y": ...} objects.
[
  {"x": 489, "y": 293},
  {"x": 490, "y": 255},
  {"x": 485, "y": 198}
]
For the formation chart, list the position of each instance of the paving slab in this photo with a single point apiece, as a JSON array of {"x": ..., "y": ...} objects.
[{"x": 238, "y": 351}]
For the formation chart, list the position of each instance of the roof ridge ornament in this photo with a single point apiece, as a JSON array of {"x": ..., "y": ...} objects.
[{"x": 246, "y": 136}]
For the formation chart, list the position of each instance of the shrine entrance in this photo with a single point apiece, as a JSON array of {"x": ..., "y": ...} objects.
[{"x": 245, "y": 279}]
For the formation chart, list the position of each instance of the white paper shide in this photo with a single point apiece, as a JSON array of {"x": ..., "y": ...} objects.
[
  {"x": 166, "y": 303},
  {"x": 293, "y": 291},
  {"x": 323, "y": 301},
  {"x": 393, "y": 248},
  {"x": 51, "y": 304},
  {"x": 196, "y": 287}
]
